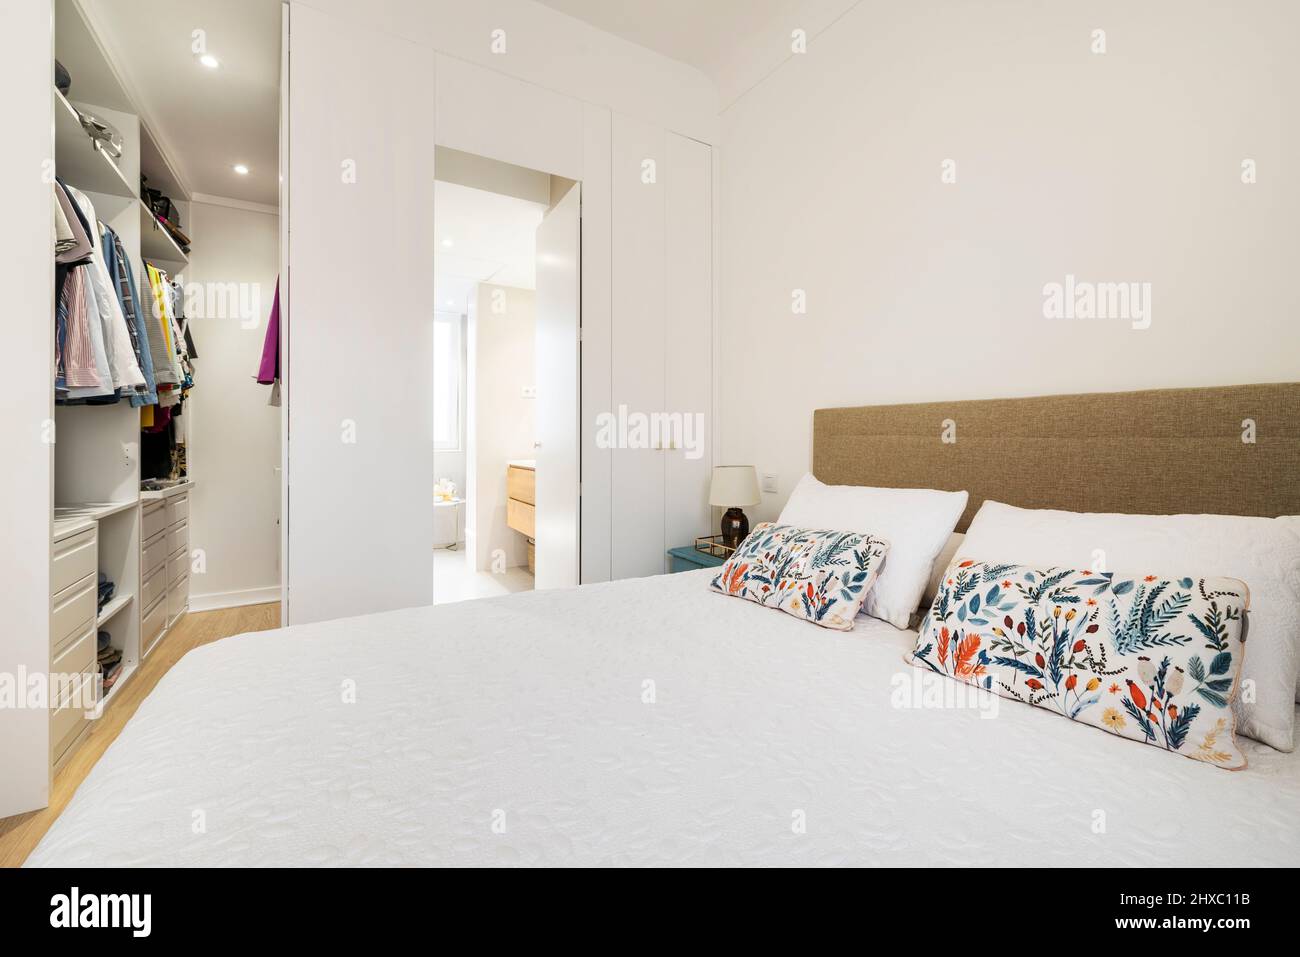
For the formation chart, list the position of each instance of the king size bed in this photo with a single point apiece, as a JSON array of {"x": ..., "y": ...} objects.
[{"x": 657, "y": 722}]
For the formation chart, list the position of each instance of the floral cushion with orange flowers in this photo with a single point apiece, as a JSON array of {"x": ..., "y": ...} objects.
[
  {"x": 1148, "y": 658},
  {"x": 818, "y": 575}
]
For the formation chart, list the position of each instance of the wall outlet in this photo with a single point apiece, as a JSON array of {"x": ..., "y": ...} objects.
[{"x": 769, "y": 483}]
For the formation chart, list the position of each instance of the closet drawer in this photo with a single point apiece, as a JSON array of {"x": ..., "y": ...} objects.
[
  {"x": 177, "y": 565},
  {"x": 78, "y": 655},
  {"x": 73, "y": 558},
  {"x": 153, "y": 588},
  {"x": 71, "y": 609},
  {"x": 153, "y": 519},
  {"x": 154, "y": 553},
  {"x": 519, "y": 516},
  {"x": 178, "y": 509},
  {"x": 178, "y": 596},
  {"x": 178, "y": 538},
  {"x": 152, "y": 625},
  {"x": 69, "y": 720}
]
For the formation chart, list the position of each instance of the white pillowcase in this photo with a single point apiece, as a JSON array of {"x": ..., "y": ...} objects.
[
  {"x": 1262, "y": 552},
  {"x": 915, "y": 521},
  {"x": 1293, "y": 523},
  {"x": 941, "y": 563}
]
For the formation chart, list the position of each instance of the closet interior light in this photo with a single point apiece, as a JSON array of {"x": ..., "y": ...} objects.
[
  {"x": 209, "y": 61},
  {"x": 447, "y": 243},
  {"x": 241, "y": 169}
]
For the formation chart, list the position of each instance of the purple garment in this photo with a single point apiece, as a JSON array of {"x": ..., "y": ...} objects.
[{"x": 269, "y": 370}]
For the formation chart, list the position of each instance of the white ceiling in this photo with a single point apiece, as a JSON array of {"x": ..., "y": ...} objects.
[
  {"x": 205, "y": 120},
  {"x": 698, "y": 32},
  {"x": 493, "y": 239}
]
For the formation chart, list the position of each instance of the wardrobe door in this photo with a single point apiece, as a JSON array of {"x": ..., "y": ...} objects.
[
  {"x": 557, "y": 375},
  {"x": 688, "y": 328},
  {"x": 639, "y": 301},
  {"x": 360, "y": 317}
]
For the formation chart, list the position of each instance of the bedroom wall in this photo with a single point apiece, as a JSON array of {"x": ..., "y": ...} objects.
[
  {"x": 1122, "y": 166},
  {"x": 501, "y": 354},
  {"x": 235, "y": 433}
]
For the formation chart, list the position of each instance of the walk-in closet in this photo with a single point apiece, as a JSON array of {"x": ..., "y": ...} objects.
[{"x": 131, "y": 313}]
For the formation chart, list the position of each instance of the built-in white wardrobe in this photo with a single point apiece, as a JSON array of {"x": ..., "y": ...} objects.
[
  {"x": 102, "y": 526},
  {"x": 661, "y": 350},
  {"x": 567, "y": 100}
]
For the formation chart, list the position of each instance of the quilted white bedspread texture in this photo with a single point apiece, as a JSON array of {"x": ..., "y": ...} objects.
[{"x": 643, "y": 722}]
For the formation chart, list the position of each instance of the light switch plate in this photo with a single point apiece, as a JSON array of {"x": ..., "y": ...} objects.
[
  {"x": 530, "y": 392},
  {"x": 769, "y": 482}
]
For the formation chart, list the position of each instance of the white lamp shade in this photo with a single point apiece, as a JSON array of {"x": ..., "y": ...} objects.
[{"x": 734, "y": 485}]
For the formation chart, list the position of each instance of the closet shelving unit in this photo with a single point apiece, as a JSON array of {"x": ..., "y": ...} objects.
[{"x": 97, "y": 448}]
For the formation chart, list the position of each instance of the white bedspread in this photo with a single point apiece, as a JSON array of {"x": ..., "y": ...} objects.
[{"x": 514, "y": 731}]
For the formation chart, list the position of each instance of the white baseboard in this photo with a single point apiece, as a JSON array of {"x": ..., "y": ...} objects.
[{"x": 233, "y": 599}]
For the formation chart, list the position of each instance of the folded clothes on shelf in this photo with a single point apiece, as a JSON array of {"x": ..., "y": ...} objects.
[
  {"x": 111, "y": 675},
  {"x": 106, "y": 589}
]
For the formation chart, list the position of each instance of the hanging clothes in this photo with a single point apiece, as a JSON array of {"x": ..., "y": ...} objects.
[
  {"x": 119, "y": 268},
  {"x": 269, "y": 369},
  {"x": 74, "y": 350},
  {"x": 165, "y": 373},
  {"x": 82, "y": 247},
  {"x": 124, "y": 370},
  {"x": 157, "y": 454},
  {"x": 84, "y": 320},
  {"x": 64, "y": 238}
]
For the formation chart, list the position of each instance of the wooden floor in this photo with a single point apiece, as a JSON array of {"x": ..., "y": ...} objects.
[{"x": 20, "y": 834}]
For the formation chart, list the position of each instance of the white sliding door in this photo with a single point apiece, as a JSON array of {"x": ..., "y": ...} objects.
[
  {"x": 688, "y": 325},
  {"x": 557, "y": 377},
  {"x": 360, "y": 339}
]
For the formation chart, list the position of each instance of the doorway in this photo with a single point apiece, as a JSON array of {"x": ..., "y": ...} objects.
[{"x": 506, "y": 378}]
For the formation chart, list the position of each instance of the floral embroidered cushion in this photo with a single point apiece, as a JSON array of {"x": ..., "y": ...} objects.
[
  {"x": 818, "y": 575},
  {"x": 1148, "y": 658}
]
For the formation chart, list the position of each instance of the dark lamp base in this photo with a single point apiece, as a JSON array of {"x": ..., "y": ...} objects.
[{"x": 735, "y": 526}]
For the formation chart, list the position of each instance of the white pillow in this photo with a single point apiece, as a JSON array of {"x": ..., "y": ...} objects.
[
  {"x": 940, "y": 566},
  {"x": 1293, "y": 523},
  {"x": 915, "y": 521},
  {"x": 1261, "y": 552}
]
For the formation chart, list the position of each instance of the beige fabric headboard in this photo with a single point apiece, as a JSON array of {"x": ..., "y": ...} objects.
[{"x": 1161, "y": 451}]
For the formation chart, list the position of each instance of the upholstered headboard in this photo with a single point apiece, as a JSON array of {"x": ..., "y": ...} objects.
[{"x": 1226, "y": 450}]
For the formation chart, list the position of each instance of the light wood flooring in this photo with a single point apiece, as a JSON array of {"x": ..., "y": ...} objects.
[{"x": 20, "y": 834}]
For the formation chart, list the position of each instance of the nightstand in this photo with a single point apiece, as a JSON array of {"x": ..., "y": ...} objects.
[{"x": 687, "y": 559}]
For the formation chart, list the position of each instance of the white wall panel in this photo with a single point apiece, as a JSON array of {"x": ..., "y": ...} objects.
[
  {"x": 360, "y": 358},
  {"x": 638, "y": 342},
  {"x": 234, "y": 435}
]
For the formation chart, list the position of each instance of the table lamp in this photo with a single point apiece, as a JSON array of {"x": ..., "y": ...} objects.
[{"x": 734, "y": 486}]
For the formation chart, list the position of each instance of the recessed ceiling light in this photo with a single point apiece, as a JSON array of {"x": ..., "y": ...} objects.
[
  {"x": 209, "y": 61},
  {"x": 241, "y": 169},
  {"x": 447, "y": 243}
]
